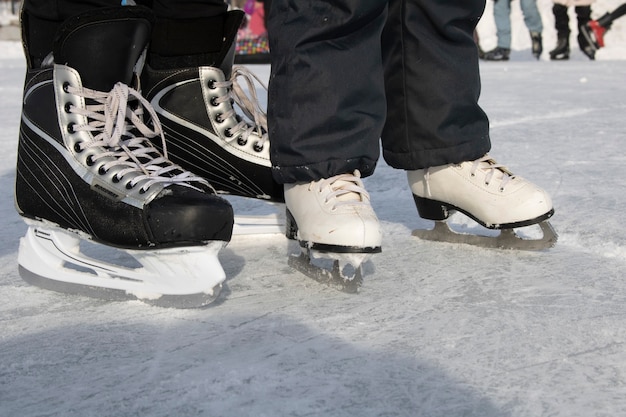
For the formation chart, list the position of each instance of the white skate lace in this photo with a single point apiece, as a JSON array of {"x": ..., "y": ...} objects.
[
  {"x": 114, "y": 121},
  {"x": 493, "y": 169},
  {"x": 347, "y": 189},
  {"x": 249, "y": 105},
  {"x": 487, "y": 164}
]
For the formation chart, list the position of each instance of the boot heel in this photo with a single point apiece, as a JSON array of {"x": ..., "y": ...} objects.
[
  {"x": 431, "y": 209},
  {"x": 291, "y": 228}
]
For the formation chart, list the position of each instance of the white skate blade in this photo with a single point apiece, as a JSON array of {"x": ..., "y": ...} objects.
[
  {"x": 259, "y": 224},
  {"x": 506, "y": 239},
  {"x": 341, "y": 271},
  {"x": 256, "y": 216},
  {"x": 51, "y": 258}
]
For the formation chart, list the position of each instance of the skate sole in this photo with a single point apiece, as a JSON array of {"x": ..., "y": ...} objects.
[{"x": 439, "y": 210}]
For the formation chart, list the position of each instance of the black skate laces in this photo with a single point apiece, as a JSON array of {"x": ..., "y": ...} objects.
[
  {"x": 114, "y": 122},
  {"x": 249, "y": 105}
]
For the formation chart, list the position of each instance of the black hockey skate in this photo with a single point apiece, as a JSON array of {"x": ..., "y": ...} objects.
[
  {"x": 536, "y": 44},
  {"x": 497, "y": 54},
  {"x": 87, "y": 171},
  {"x": 198, "y": 107},
  {"x": 561, "y": 51}
]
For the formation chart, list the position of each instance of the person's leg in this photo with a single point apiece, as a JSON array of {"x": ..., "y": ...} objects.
[
  {"x": 432, "y": 84},
  {"x": 533, "y": 22},
  {"x": 325, "y": 114},
  {"x": 583, "y": 17},
  {"x": 532, "y": 17},
  {"x": 86, "y": 166},
  {"x": 502, "y": 17},
  {"x": 561, "y": 24},
  {"x": 326, "y": 97},
  {"x": 435, "y": 129}
]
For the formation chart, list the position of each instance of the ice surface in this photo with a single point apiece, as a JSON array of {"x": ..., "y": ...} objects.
[{"x": 436, "y": 330}]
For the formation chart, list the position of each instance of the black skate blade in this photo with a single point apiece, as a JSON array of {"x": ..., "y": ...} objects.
[
  {"x": 333, "y": 277},
  {"x": 507, "y": 239},
  {"x": 590, "y": 37}
]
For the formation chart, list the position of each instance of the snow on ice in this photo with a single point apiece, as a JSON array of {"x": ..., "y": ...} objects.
[{"x": 437, "y": 329}]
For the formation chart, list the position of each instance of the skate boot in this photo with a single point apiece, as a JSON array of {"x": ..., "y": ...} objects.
[
  {"x": 585, "y": 44},
  {"x": 197, "y": 97},
  {"x": 497, "y": 54},
  {"x": 536, "y": 44},
  {"x": 594, "y": 32},
  {"x": 561, "y": 51},
  {"x": 487, "y": 193},
  {"x": 332, "y": 219},
  {"x": 87, "y": 172}
]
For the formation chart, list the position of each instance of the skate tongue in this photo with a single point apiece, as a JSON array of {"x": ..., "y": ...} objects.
[{"x": 104, "y": 45}]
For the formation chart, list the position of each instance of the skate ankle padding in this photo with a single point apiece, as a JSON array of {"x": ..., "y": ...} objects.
[
  {"x": 37, "y": 38},
  {"x": 104, "y": 45},
  {"x": 187, "y": 43}
]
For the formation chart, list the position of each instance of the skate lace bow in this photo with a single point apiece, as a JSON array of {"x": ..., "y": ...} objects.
[
  {"x": 114, "y": 120},
  {"x": 347, "y": 189},
  {"x": 249, "y": 105}
]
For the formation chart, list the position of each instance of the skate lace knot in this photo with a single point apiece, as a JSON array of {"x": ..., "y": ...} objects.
[
  {"x": 494, "y": 171},
  {"x": 256, "y": 118},
  {"x": 346, "y": 189},
  {"x": 116, "y": 123}
]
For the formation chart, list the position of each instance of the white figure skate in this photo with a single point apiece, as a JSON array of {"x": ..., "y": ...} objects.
[
  {"x": 332, "y": 219},
  {"x": 489, "y": 194}
]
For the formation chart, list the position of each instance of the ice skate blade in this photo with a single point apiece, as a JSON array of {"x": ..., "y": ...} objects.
[
  {"x": 259, "y": 224},
  {"x": 335, "y": 276},
  {"x": 507, "y": 239},
  {"x": 590, "y": 38},
  {"x": 189, "y": 277}
]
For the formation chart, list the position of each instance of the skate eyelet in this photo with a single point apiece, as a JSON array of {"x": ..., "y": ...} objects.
[
  {"x": 228, "y": 133},
  {"x": 115, "y": 179},
  {"x": 77, "y": 147},
  {"x": 211, "y": 84},
  {"x": 214, "y": 102},
  {"x": 241, "y": 141},
  {"x": 89, "y": 161},
  {"x": 142, "y": 190},
  {"x": 70, "y": 128},
  {"x": 129, "y": 186},
  {"x": 258, "y": 147},
  {"x": 67, "y": 107},
  {"x": 218, "y": 118},
  {"x": 102, "y": 170},
  {"x": 66, "y": 87}
]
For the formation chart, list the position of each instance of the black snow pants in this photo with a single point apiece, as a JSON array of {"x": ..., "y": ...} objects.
[{"x": 347, "y": 73}]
